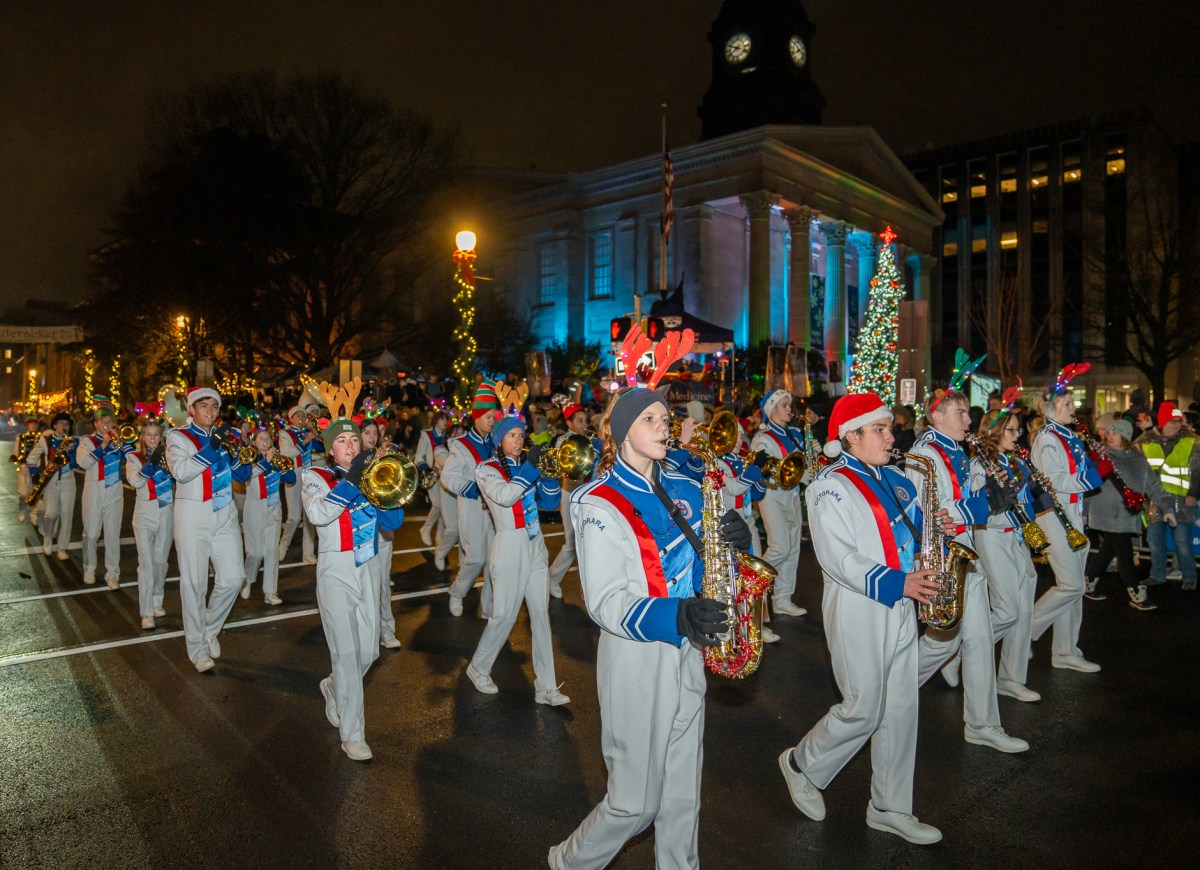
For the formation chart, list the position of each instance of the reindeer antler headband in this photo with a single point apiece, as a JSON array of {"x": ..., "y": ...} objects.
[
  {"x": 1010, "y": 398},
  {"x": 632, "y": 401}
]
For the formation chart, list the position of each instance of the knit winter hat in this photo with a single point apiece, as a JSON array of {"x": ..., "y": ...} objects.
[
  {"x": 486, "y": 401},
  {"x": 506, "y": 425},
  {"x": 1123, "y": 428},
  {"x": 336, "y": 428},
  {"x": 852, "y": 412}
]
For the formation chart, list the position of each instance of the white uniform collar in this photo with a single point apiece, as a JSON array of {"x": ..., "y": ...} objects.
[{"x": 944, "y": 440}]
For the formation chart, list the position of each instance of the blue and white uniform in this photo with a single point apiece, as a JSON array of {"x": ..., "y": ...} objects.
[
  {"x": 781, "y": 511},
  {"x": 347, "y": 592},
  {"x": 103, "y": 504},
  {"x": 635, "y": 566},
  {"x": 153, "y": 527},
  {"x": 857, "y": 515},
  {"x": 517, "y": 562},
  {"x": 1060, "y": 454},
  {"x": 206, "y": 530},
  {"x": 968, "y": 508},
  {"x": 475, "y": 529},
  {"x": 58, "y": 498},
  {"x": 566, "y": 556},
  {"x": 262, "y": 517},
  {"x": 293, "y": 445}
]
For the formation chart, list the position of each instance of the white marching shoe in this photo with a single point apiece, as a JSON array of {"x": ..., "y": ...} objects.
[
  {"x": 995, "y": 737},
  {"x": 551, "y": 697},
  {"x": 331, "y": 712},
  {"x": 805, "y": 795},
  {"x": 389, "y": 642},
  {"x": 951, "y": 671},
  {"x": 214, "y": 647},
  {"x": 483, "y": 682},
  {"x": 902, "y": 825},
  {"x": 784, "y": 606},
  {"x": 147, "y": 623},
  {"x": 426, "y": 538},
  {"x": 357, "y": 751},
  {"x": 769, "y": 636},
  {"x": 456, "y": 608},
  {"x": 204, "y": 664},
  {"x": 1013, "y": 689},
  {"x": 439, "y": 562},
  {"x": 1074, "y": 663}
]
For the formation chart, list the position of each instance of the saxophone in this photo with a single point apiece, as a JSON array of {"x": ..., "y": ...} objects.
[
  {"x": 943, "y": 554},
  {"x": 737, "y": 580},
  {"x": 53, "y": 465},
  {"x": 1035, "y": 538}
]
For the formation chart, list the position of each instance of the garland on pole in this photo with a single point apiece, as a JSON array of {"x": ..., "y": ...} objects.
[
  {"x": 877, "y": 361},
  {"x": 464, "y": 301}
]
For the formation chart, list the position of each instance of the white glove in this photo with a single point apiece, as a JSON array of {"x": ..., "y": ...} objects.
[
  {"x": 807, "y": 477},
  {"x": 1170, "y": 519}
]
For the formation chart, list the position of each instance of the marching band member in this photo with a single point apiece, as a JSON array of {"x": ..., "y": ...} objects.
[
  {"x": 514, "y": 490},
  {"x": 1059, "y": 454},
  {"x": 22, "y": 447},
  {"x": 153, "y": 516},
  {"x": 262, "y": 515},
  {"x": 206, "y": 525},
  {"x": 865, "y": 523},
  {"x": 58, "y": 498},
  {"x": 371, "y": 433},
  {"x": 475, "y": 528},
  {"x": 427, "y": 445},
  {"x": 576, "y": 419},
  {"x": 641, "y": 574},
  {"x": 949, "y": 419},
  {"x": 1004, "y": 552},
  {"x": 347, "y": 589},
  {"x": 99, "y": 456},
  {"x": 447, "y": 530},
  {"x": 780, "y": 508},
  {"x": 297, "y": 442}
]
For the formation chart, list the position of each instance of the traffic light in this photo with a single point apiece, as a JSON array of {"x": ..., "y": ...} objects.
[
  {"x": 619, "y": 328},
  {"x": 655, "y": 329}
]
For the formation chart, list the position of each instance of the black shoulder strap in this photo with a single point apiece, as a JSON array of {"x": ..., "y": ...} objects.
[{"x": 677, "y": 516}]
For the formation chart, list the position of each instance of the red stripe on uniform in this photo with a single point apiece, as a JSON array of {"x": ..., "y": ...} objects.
[
  {"x": 950, "y": 468},
  {"x": 656, "y": 581},
  {"x": 1067, "y": 448},
  {"x": 206, "y": 478},
  {"x": 883, "y": 522},
  {"x": 466, "y": 442}
]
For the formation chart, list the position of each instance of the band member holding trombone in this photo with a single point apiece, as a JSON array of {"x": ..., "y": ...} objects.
[
  {"x": 99, "y": 456},
  {"x": 54, "y": 454},
  {"x": 153, "y": 518},
  {"x": 375, "y": 446},
  {"x": 297, "y": 441},
  {"x": 780, "y": 508},
  {"x": 1062, "y": 458},
  {"x": 425, "y": 456}
]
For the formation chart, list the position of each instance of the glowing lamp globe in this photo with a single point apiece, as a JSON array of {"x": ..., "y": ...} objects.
[{"x": 465, "y": 240}]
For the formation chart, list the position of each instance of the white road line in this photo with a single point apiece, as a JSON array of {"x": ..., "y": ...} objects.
[
  {"x": 101, "y": 587},
  {"x": 46, "y": 655},
  {"x": 32, "y": 551}
]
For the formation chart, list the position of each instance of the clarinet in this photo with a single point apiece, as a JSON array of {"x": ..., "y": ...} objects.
[
  {"x": 1035, "y": 538},
  {"x": 1134, "y": 501},
  {"x": 1076, "y": 539}
]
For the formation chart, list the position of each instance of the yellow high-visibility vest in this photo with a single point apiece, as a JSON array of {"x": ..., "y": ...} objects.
[{"x": 1172, "y": 469}]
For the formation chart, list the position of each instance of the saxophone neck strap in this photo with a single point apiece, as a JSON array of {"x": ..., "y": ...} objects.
[{"x": 677, "y": 516}]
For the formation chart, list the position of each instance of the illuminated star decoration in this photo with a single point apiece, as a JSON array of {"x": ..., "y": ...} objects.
[{"x": 877, "y": 359}]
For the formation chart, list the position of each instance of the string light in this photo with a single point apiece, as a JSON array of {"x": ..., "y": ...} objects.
[
  {"x": 31, "y": 399},
  {"x": 181, "y": 358},
  {"x": 89, "y": 368},
  {"x": 877, "y": 362},
  {"x": 114, "y": 381},
  {"x": 464, "y": 301}
]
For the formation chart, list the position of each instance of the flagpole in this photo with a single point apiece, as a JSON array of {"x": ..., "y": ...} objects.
[{"x": 662, "y": 253}]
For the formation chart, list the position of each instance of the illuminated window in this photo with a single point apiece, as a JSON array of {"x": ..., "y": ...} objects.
[
  {"x": 1072, "y": 175},
  {"x": 547, "y": 275},
  {"x": 602, "y": 265},
  {"x": 1008, "y": 185},
  {"x": 8, "y": 353},
  {"x": 1039, "y": 181},
  {"x": 978, "y": 245},
  {"x": 950, "y": 196},
  {"x": 1115, "y": 167},
  {"x": 950, "y": 249},
  {"x": 8, "y": 370},
  {"x": 978, "y": 190},
  {"x": 1041, "y": 225},
  {"x": 1008, "y": 240}
]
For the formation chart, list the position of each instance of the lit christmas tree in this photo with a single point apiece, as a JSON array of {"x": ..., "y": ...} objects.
[{"x": 877, "y": 361}]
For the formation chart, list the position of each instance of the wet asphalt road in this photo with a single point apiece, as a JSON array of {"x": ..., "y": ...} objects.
[{"x": 124, "y": 756}]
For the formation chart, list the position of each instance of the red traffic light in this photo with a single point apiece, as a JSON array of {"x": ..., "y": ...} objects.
[
  {"x": 655, "y": 329},
  {"x": 619, "y": 328}
]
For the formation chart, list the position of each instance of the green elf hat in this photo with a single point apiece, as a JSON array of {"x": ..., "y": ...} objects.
[
  {"x": 336, "y": 428},
  {"x": 486, "y": 401},
  {"x": 102, "y": 407}
]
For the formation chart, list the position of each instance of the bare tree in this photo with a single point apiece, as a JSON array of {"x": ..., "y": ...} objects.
[{"x": 1013, "y": 347}]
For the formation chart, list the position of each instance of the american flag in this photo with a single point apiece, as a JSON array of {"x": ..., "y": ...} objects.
[{"x": 668, "y": 208}]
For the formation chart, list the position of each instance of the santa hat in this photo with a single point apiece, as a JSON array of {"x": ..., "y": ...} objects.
[
  {"x": 1168, "y": 412},
  {"x": 852, "y": 412},
  {"x": 571, "y": 410},
  {"x": 295, "y": 409},
  {"x": 486, "y": 401},
  {"x": 195, "y": 394}
]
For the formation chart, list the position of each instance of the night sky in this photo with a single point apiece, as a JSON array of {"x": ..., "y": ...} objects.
[{"x": 560, "y": 85}]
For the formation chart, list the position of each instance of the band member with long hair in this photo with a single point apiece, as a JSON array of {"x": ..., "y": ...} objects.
[
  {"x": 375, "y": 445},
  {"x": 780, "y": 508},
  {"x": 262, "y": 515},
  {"x": 297, "y": 441},
  {"x": 428, "y": 442},
  {"x": 99, "y": 456},
  {"x": 1063, "y": 457},
  {"x": 866, "y": 520},
  {"x": 58, "y": 498},
  {"x": 153, "y": 518},
  {"x": 514, "y": 490},
  {"x": 576, "y": 421}
]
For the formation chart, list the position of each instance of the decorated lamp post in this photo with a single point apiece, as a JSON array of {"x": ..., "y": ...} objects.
[
  {"x": 32, "y": 398},
  {"x": 464, "y": 301}
]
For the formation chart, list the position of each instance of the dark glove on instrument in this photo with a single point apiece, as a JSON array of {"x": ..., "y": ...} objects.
[
  {"x": 214, "y": 441},
  {"x": 1000, "y": 498},
  {"x": 735, "y": 531},
  {"x": 156, "y": 455},
  {"x": 761, "y": 459},
  {"x": 701, "y": 620},
  {"x": 355, "y": 472},
  {"x": 534, "y": 454}
]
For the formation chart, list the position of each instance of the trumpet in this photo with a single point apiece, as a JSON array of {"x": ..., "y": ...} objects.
[
  {"x": 127, "y": 434},
  {"x": 247, "y": 454},
  {"x": 1076, "y": 539},
  {"x": 781, "y": 473},
  {"x": 573, "y": 459}
]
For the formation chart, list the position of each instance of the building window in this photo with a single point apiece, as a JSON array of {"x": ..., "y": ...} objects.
[
  {"x": 1008, "y": 239},
  {"x": 8, "y": 370},
  {"x": 950, "y": 196},
  {"x": 547, "y": 275},
  {"x": 8, "y": 353},
  {"x": 950, "y": 249},
  {"x": 602, "y": 265}
]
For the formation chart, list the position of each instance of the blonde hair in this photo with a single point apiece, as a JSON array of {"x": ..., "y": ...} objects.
[{"x": 608, "y": 447}]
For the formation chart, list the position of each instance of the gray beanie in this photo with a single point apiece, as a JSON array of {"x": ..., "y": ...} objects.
[
  {"x": 628, "y": 406},
  {"x": 1123, "y": 428}
]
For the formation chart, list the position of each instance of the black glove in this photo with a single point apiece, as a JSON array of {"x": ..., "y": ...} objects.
[
  {"x": 214, "y": 440},
  {"x": 701, "y": 620},
  {"x": 355, "y": 472},
  {"x": 1000, "y": 498},
  {"x": 534, "y": 454},
  {"x": 156, "y": 455},
  {"x": 1044, "y": 502},
  {"x": 761, "y": 458},
  {"x": 735, "y": 531}
]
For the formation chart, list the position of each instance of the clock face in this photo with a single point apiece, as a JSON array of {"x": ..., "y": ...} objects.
[
  {"x": 797, "y": 50},
  {"x": 737, "y": 49}
]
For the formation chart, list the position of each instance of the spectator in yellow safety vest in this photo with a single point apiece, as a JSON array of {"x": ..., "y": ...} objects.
[{"x": 1173, "y": 451}]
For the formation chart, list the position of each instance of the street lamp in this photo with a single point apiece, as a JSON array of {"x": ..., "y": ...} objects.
[{"x": 464, "y": 278}]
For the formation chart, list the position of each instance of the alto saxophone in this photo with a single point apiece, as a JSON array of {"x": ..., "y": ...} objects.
[
  {"x": 950, "y": 559},
  {"x": 1035, "y": 538},
  {"x": 53, "y": 466}
]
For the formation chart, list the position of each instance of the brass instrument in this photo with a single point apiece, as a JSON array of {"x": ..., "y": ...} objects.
[
  {"x": 25, "y": 443},
  {"x": 737, "y": 580},
  {"x": 127, "y": 434},
  {"x": 430, "y": 478},
  {"x": 53, "y": 465},
  {"x": 1035, "y": 538},
  {"x": 389, "y": 481},
  {"x": 247, "y": 454},
  {"x": 781, "y": 473},
  {"x": 573, "y": 459},
  {"x": 949, "y": 558},
  {"x": 1076, "y": 539}
]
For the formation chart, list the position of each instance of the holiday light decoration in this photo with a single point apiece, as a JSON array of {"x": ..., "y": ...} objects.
[
  {"x": 179, "y": 338},
  {"x": 114, "y": 380},
  {"x": 877, "y": 360},
  {"x": 464, "y": 301},
  {"x": 32, "y": 398},
  {"x": 89, "y": 369}
]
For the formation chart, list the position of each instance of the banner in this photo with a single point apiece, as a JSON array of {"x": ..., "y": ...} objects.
[{"x": 40, "y": 334}]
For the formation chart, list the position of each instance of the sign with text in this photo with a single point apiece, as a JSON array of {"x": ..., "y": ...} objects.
[
  {"x": 40, "y": 334},
  {"x": 908, "y": 391}
]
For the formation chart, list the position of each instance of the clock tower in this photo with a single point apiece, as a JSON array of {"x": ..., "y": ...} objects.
[{"x": 761, "y": 68}]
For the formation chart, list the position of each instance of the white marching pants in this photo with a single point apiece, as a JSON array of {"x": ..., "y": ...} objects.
[
  {"x": 435, "y": 508},
  {"x": 1061, "y": 606},
  {"x": 566, "y": 556},
  {"x": 782, "y": 518},
  {"x": 651, "y": 736},
  {"x": 202, "y": 536},
  {"x": 873, "y": 650},
  {"x": 295, "y": 517},
  {"x": 1012, "y": 583},
  {"x": 447, "y": 532},
  {"x": 973, "y": 636},
  {"x": 58, "y": 504},
  {"x": 381, "y": 568},
  {"x": 475, "y": 533},
  {"x": 152, "y": 531},
  {"x": 102, "y": 507},
  {"x": 347, "y": 596},
  {"x": 518, "y": 568},
  {"x": 260, "y": 533}
]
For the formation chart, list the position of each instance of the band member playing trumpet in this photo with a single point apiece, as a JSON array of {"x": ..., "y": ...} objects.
[
  {"x": 514, "y": 489},
  {"x": 58, "y": 496},
  {"x": 780, "y": 508},
  {"x": 427, "y": 445},
  {"x": 153, "y": 518},
  {"x": 262, "y": 514},
  {"x": 297, "y": 442},
  {"x": 206, "y": 524},
  {"x": 967, "y": 651},
  {"x": 381, "y": 565},
  {"x": 347, "y": 588},
  {"x": 576, "y": 419},
  {"x": 866, "y": 524},
  {"x": 1060, "y": 455},
  {"x": 99, "y": 456}
]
